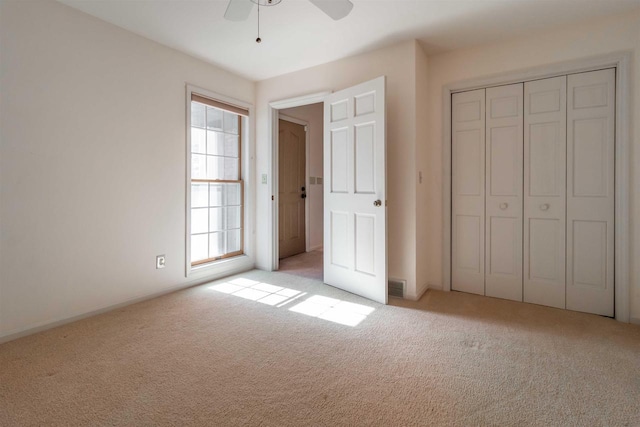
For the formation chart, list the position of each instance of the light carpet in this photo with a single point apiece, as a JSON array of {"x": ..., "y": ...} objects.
[
  {"x": 273, "y": 349},
  {"x": 308, "y": 264}
]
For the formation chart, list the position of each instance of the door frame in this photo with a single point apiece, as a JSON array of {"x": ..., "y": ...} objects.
[
  {"x": 621, "y": 61},
  {"x": 273, "y": 117},
  {"x": 304, "y": 123}
]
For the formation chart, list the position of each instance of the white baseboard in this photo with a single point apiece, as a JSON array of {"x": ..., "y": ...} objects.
[
  {"x": 435, "y": 287},
  {"x": 421, "y": 291},
  {"x": 417, "y": 295},
  {"x": 315, "y": 248},
  {"x": 635, "y": 320},
  {"x": 30, "y": 330}
]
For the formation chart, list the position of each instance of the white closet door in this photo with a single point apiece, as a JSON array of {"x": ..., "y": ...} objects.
[
  {"x": 590, "y": 191},
  {"x": 503, "y": 250},
  {"x": 468, "y": 156},
  {"x": 545, "y": 160}
]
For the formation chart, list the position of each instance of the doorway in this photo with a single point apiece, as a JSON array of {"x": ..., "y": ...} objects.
[
  {"x": 300, "y": 190},
  {"x": 354, "y": 184}
]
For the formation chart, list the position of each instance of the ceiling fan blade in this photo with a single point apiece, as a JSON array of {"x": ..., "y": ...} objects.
[
  {"x": 336, "y": 9},
  {"x": 238, "y": 10}
]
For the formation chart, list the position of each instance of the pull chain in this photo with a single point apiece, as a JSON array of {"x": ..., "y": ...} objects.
[{"x": 258, "y": 40}]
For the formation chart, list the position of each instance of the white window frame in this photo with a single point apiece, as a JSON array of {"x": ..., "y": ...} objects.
[{"x": 246, "y": 261}]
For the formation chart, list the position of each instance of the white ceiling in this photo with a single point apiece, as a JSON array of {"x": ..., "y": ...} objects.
[{"x": 296, "y": 35}]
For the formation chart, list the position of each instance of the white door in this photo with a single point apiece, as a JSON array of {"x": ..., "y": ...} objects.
[
  {"x": 468, "y": 157},
  {"x": 545, "y": 160},
  {"x": 355, "y": 227},
  {"x": 590, "y": 191},
  {"x": 503, "y": 183},
  {"x": 291, "y": 188}
]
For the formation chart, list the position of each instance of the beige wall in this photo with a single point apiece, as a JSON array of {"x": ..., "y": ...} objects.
[
  {"x": 92, "y": 181},
  {"x": 398, "y": 64},
  {"x": 578, "y": 41},
  {"x": 422, "y": 168},
  {"x": 313, "y": 115}
]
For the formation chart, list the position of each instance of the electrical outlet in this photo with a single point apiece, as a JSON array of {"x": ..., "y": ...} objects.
[
  {"x": 160, "y": 260},
  {"x": 319, "y": 180},
  {"x": 264, "y": 178}
]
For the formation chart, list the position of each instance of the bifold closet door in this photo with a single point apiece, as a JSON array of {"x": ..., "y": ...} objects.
[
  {"x": 468, "y": 191},
  {"x": 503, "y": 181},
  {"x": 590, "y": 191},
  {"x": 545, "y": 160}
]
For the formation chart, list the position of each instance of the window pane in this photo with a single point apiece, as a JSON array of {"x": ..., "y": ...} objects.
[
  {"x": 215, "y": 143},
  {"x": 231, "y": 169},
  {"x": 233, "y": 195},
  {"x": 231, "y": 145},
  {"x": 199, "y": 195},
  {"x": 197, "y": 114},
  {"x": 216, "y": 219},
  {"x": 199, "y": 247},
  {"x": 198, "y": 166},
  {"x": 216, "y": 195},
  {"x": 199, "y": 221},
  {"x": 216, "y": 207},
  {"x": 233, "y": 241},
  {"x": 198, "y": 143},
  {"x": 214, "y": 118},
  {"x": 215, "y": 167},
  {"x": 216, "y": 244},
  {"x": 230, "y": 122},
  {"x": 233, "y": 217}
]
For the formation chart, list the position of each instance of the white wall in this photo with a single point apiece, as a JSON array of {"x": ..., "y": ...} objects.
[
  {"x": 578, "y": 41},
  {"x": 398, "y": 64},
  {"x": 92, "y": 181},
  {"x": 313, "y": 115}
]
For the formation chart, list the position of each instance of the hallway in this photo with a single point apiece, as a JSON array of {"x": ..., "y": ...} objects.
[{"x": 308, "y": 264}]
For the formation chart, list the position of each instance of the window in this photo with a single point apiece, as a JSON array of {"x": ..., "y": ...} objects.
[{"x": 217, "y": 189}]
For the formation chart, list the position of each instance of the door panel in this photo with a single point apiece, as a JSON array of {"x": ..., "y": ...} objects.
[
  {"x": 355, "y": 256},
  {"x": 503, "y": 211},
  {"x": 545, "y": 132},
  {"x": 365, "y": 158},
  {"x": 590, "y": 191},
  {"x": 291, "y": 180},
  {"x": 468, "y": 178},
  {"x": 339, "y": 243},
  {"x": 338, "y": 142}
]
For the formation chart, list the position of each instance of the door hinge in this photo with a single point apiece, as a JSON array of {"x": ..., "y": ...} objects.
[{"x": 272, "y": 198}]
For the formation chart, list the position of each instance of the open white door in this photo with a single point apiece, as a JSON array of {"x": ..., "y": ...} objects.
[{"x": 355, "y": 214}]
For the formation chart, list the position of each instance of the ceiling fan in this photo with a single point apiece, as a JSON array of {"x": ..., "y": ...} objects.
[{"x": 239, "y": 10}]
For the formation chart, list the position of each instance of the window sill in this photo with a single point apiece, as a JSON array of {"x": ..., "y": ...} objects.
[{"x": 221, "y": 267}]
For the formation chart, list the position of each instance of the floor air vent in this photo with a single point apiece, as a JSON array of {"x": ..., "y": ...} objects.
[{"x": 396, "y": 288}]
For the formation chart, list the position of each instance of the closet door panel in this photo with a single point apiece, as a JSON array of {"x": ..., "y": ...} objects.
[
  {"x": 590, "y": 192},
  {"x": 545, "y": 132},
  {"x": 503, "y": 222},
  {"x": 468, "y": 165}
]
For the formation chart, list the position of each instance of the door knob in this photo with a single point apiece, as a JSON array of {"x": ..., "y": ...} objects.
[
  {"x": 504, "y": 206},
  {"x": 377, "y": 203},
  {"x": 545, "y": 207}
]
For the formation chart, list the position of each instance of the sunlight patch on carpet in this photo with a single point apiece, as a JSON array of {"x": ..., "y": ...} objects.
[
  {"x": 325, "y": 308},
  {"x": 333, "y": 310}
]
